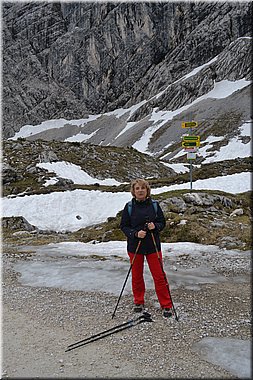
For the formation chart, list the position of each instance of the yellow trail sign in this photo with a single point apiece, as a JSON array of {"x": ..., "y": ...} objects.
[
  {"x": 191, "y": 138},
  {"x": 188, "y": 144},
  {"x": 189, "y": 124}
]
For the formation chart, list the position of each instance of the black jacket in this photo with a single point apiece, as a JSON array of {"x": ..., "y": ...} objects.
[{"x": 142, "y": 212}]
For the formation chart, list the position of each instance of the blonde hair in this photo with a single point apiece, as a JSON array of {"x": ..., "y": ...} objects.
[{"x": 140, "y": 182}]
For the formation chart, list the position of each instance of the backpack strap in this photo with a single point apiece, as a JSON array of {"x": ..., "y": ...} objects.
[
  {"x": 130, "y": 206},
  {"x": 155, "y": 206}
]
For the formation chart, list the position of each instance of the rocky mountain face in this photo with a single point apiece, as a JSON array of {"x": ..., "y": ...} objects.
[{"x": 69, "y": 60}]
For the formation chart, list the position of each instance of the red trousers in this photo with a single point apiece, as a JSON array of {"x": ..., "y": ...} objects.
[{"x": 138, "y": 284}]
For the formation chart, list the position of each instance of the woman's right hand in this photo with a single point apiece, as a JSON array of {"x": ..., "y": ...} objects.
[{"x": 141, "y": 234}]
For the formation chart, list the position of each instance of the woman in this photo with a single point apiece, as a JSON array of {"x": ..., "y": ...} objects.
[{"x": 142, "y": 220}]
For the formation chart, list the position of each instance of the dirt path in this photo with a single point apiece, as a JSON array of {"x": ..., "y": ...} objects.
[{"x": 39, "y": 323}]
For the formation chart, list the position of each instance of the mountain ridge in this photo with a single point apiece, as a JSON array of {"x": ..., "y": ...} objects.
[{"x": 61, "y": 60}]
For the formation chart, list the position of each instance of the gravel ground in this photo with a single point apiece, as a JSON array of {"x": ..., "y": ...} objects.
[{"x": 39, "y": 324}]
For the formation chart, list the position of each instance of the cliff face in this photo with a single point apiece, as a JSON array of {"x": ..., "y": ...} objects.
[{"x": 67, "y": 60}]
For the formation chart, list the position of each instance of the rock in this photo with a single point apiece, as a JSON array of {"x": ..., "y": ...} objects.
[
  {"x": 48, "y": 156},
  {"x": 17, "y": 223},
  {"x": 20, "y": 233},
  {"x": 218, "y": 224},
  {"x": 237, "y": 212},
  {"x": 226, "y": 201},
  {"x": 9, "y": 174},
  {"x": 194, "y": 198},
  {"x": 178, "y": 203},
  {"x": 17, "y": 146},
  {"x": 32, "y": 169},
  {"x": 230, "y": 242},
  {"x": 64, "y": 182}
]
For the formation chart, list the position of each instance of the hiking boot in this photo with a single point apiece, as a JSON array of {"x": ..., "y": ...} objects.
[
  {"x": 138, "y": 308},
  {"x": 167, "y": 312}
]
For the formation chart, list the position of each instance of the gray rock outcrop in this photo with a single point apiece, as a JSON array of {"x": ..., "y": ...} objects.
[
  {"x": 17, "y": 223},
  {"x": 68, "y": 60},
  {"x": 9, "y": 173}
]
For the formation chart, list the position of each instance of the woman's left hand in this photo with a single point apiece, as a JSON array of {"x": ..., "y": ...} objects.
[{"x": 151, "y": 226}]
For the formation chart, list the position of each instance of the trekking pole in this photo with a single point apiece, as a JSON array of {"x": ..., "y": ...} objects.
[
  {"x": 164, "y": 274},
  {"x": 137, "y": 248},
  {"x": 133, "y": 323},
  {"x": 145, "y": 317}
]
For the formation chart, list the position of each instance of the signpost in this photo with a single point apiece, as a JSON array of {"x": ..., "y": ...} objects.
[{"x": 190, "y": 144}]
